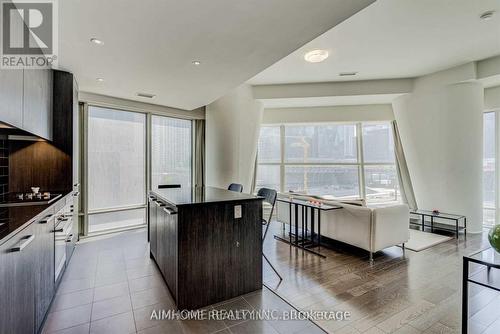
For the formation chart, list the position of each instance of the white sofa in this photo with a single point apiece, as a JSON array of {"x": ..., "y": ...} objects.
[{"x": 372, "y": 229}]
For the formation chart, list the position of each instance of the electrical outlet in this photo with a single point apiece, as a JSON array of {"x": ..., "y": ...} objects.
[{"x": 237, "y": 211}]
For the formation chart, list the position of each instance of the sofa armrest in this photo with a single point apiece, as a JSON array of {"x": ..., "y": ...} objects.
[{"x": 390, "y": 226}]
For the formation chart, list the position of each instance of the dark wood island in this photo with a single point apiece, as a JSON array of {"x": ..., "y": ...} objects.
[{"x": 207, "y": 243}]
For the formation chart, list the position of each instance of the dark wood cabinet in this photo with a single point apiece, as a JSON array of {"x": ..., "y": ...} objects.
[
  {"x": 11, "y": 95},
  {"x": 37, "y": 102},
  {"x": 153, "y": 228},
  {"x": 44, "y": 265},
  {"x": 205, "y": 253},
  {"x": 169, "y": 248},
  {"x": 17, "y": 297},
  {"x": 160, "y": 237}
]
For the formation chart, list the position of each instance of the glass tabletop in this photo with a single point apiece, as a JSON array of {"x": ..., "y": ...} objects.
[
  {"x": 488, "y": 257},
  {"x": 440, "y": 215}
]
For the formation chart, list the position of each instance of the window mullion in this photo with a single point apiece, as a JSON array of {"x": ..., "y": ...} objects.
[{"x": 361, "y": 160}]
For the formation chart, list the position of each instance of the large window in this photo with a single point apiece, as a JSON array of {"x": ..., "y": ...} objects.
[
  {"x": 116, "y": 168},
  {"x": 171, "y": 158},
  {"x": 489, "y": 169},
  {"x": 332, "y": 160},
  {"x": 117, "y": 172}
]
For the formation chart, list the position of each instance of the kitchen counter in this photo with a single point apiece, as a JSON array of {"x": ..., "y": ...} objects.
[
  {"x": 200, "y": 195},
  {"x": 14, "y": 219},
  {"x": 207, "y": 243}
]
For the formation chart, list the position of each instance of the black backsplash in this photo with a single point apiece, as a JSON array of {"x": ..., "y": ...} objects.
[
  {"x": 4, "y": 176},
  {"x": 4, "y": 167}
]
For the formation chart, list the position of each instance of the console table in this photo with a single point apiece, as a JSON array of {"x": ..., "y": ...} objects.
[
  {"x": 486, "y": 273},
  {"x": 308, "y": 210},
  {"x": 441, "y": 215}
]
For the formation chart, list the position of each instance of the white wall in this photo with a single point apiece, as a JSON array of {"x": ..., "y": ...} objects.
[
  {"x": 492, "y": 98},
  {"x": 441, "y": 131},
  {"x": 232, "y": 132},
  {"x": 354, "y": 113}
]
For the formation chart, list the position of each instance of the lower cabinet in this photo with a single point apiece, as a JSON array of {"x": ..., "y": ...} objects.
[
  {"x": 44, "y": 266},
  {"x": 152, "y": 227},
  {"x": 17, "y": 294},
  {"x": 169, "y": 249}
]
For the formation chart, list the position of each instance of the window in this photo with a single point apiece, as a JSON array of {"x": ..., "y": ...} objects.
[
  {"x": 381, "y": 183},
  {"x": 329, "y": 159},
  {"x": 489, "y": 169},
  {"x": 118, "y": 175},
  {"x": 171, "y": 158},
  {"x": 116, "y": 150}
]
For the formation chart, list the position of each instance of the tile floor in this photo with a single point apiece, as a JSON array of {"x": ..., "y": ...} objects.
[{"x": 112, "y": 286}]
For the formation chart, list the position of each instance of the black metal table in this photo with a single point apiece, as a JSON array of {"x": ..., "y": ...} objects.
[
  {"x": 433, "y": 225},
  {"x": 482, "y": 274},
  {"x": 308, "y": 209}
]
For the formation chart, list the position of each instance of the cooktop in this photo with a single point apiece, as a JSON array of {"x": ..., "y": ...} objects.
[{"x": 26, "y": 199}]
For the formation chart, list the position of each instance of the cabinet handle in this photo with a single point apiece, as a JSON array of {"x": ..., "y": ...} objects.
[
  {"x": 76, "y": 185},
  {"x": 23, "y": 244},
  {"x": 58, "y": 230},
  {"x": 69, "y": 237},
  {"x": 75, "y": 194},
  {"x": 45, "y": 219},
  {"x": 159, "y": 204},
  {"x": 169, "y": 211}
]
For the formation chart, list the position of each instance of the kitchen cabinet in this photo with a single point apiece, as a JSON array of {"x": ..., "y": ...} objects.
[
  {"x": 17, "y": 297},
  {"x": 44, "y": 265},
  {"x": 160, "y": 235},
  {"x": 11, "y": 95},
  {"x": 206, "y": 252},
  {"x": 37, "y": 102},
  {"x": 152, "y": 226},
  {"x": 169, "y": 248}
]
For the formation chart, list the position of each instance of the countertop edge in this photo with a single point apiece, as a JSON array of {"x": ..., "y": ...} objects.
[
  {"x": 32, "y": 219},
  {"x": 210, "y": 202}
]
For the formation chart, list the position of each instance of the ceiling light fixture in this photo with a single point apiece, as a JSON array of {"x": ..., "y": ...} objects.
[
  {"x": 97, "y": 41},
  {"x": 196, "y": 62},
  {"x": 487, "y": 15},
  {"x": 99, "y": 79},
  {"x": 316, "y": 56},
  {"x": 347, "y": 74},
  {"x": 146, "y": 95}
]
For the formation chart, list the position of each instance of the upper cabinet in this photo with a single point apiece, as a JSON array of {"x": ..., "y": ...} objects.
[
  {"x": 37, "y": 107},
  {"x": 26, "y": 100},
  {"x": 11, "y": 97}
]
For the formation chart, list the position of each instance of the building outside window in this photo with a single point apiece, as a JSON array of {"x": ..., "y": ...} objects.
[{"x": 334, "y": 160}]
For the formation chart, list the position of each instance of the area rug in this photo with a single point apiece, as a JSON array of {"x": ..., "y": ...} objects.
[{"x": 422, "y": 240}]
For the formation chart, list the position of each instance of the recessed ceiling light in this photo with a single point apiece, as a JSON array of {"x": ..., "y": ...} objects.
[
  {"x": 146, "y": 95},
  {"x": 97, "y": 41},
  {"x": 487, "y": 15},
  {"x": 347, "y": 74},
  {"x": 316, "y": 56},
  {"x": 196, "y": 62},
  {"x": 99, "y": 79}
]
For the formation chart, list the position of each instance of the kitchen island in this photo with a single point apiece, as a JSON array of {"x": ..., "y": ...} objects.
[{"x": 207, "y": 243}]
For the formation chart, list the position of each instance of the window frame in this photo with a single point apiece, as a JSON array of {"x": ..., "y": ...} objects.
[
  {"x": 84, "y": 120},
  {"x": 360, "y": 164},
  {"x": 496, "y": 207}
]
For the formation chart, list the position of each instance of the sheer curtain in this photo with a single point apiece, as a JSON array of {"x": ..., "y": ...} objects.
[
  {"x": 405, "y": 185},
  {"x": 199, "y": 160}
]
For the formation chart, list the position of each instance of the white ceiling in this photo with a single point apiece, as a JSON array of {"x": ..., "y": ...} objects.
[
  {"x": 396, "y": 39},
  {"x": 149, "y": 45}
]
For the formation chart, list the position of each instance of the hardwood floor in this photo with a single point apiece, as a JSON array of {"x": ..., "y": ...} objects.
[
  {"x": 112, "y": 286},
  {"x": 415, "y": 292}
]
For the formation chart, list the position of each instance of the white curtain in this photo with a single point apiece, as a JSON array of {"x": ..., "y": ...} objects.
[
  {"x": 199, "y": 168},
  {"x": 405, "y": 185}
]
